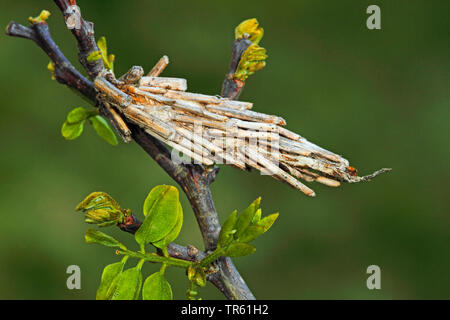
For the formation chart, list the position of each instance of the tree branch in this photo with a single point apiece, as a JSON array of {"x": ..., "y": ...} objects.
[
  {"x": 232, "y": 88},
  {"x": 65, "y": 72},
  {"x": 193, "y": 179}
]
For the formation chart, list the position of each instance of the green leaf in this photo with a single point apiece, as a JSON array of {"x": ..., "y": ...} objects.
[
  {"x": 156, "y": 287},
  {"x": 41, "y": 18},
  {"x": 268, "y": 221},
  {"x": 129, "y": 284},
  {"x": 72, "y": 131},
  {"x": 246, "y": 217},
  {"x": 250, "y": 28},
  {"x": 108, "y": 60},
  {"x": 226, "y": 232},
  {"x": 98, "y": 200},
  {"x": 100, "y": 208},
  {"x": 94, "y": 55},
  {"x": 103, "y": 129},
  {"x": 153, "y": 197},
  {"x": 251, "y": 233},
  {"x": 257, "y": 217},
  {"x": 77, "y": 115},
  {"x": 101, "y": 43},
  {"x": 252, "y": 60},
  {"x": 173, "y": 234},
  {"x": 110, "y": 277},
  {"x": 95, "y": 236},
  {"x": 239, "y": 249},
  {"x": 162, "y": 209}
]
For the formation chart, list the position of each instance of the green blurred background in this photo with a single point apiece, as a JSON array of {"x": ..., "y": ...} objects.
[{"x": 380, "y": 98}]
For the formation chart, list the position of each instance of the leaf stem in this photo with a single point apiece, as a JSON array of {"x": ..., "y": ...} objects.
[{"x": 153, "y": 257}]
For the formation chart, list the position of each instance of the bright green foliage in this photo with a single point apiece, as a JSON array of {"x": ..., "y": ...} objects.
[
  {"x": 239, "y": 249},
  {"x": 237, "y": 231},
  {"x": 101, "y": 209},
  {"x": 156, "y": 287},
  {"x": 226, "y": 233},
  {"x": 51, "y": 67},
  {"x": 108, "y": 60},
  {"x": 162, "y": 224},
  {"x": 254, "y": 57},
  {"x": 94, "y": 236},
  {"x": 94, "y": 55},
  {"x": 77, "y": 115},
  {"x": 252, "y": 60},
  {"x": 249, "y": 29},
  {"x": 75, "y": 120},
  {"x": 110, "y": 277},
  {"x": 42, "y": 17},
  {"x": 129, "y": 284},
  {"x": 103, "y": 129},
  {"x": 72, "y": 131},
  {"x": 163, "y": 217},
  {"x": 173, "y": 234},
  {"x": 246, "y": 217}
]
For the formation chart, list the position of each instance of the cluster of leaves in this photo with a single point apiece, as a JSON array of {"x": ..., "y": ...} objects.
[
  {"x": 75, "y": 120},
  {"x": 73, "y": 127},
  {"x": 238, "y": 230},
  {"x": 108, "y": 59},
  {"x": 101, "y": 209},
  {"x": 236, "y": 233},
  {"x": 42, "y": 17},
  {"x": 253, "y": 58},
  {"x": 162, "y": 224}
]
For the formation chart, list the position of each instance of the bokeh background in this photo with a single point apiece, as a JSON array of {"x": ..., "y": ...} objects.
[{"x": 380, "y": 98}]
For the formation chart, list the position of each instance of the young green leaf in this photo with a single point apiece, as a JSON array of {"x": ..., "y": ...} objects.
[
  {"x": 94, "y": 236},
  {"x": 156, "y": 287},
  {"x": 226, "y": 232},
  {"x": 268, "y": 221},
  {"x": 110, "y": 277},
  {"x": 257, "y": 217},
  {"x": 161, "y": 209},
  {"x": 153, "y": 197},
  {"x": 173, "y": 234},
  {"x": 252, "y": 60},
  {"x": 94, "y": 55},
  {"x": 128, "y": 285},
  {"x": 239, "y": 249},
  {"x": 41, "y": 18},
  {"x": 246, "y": 217},
  {"x": 108, "y": 60},
  {"x": 72, "y": 131},
  {"x": 98, "y": 200},
  {"x": 251, "y": 29},
  {"x": 100, "y": 208},
  {"x": 101, "y": 43},
  {"x": 251, "y": 233},
  {"x": 103, "y": 129},
  {"x": 77, "y": 115}
]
